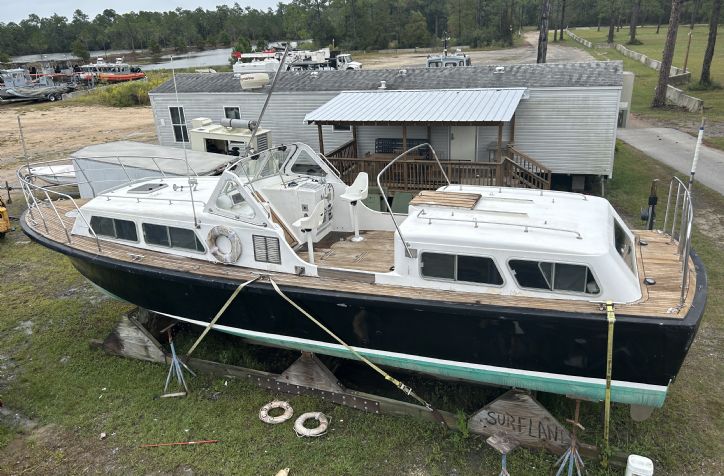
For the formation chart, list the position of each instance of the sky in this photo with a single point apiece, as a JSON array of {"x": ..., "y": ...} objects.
[{"x": 46, "y": 8}]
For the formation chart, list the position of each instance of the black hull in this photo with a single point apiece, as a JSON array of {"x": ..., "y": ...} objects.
[{"x": 647, "y": 350}]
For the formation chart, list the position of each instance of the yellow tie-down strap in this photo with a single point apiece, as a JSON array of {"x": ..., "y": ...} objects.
[{"x": 611, "y": 318}]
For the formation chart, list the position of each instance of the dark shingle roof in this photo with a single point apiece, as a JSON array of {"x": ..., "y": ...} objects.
[{"x": 549, "y": 75}]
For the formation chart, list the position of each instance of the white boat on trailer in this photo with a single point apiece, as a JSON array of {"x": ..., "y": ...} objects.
[{"x": 484, "y": 284}]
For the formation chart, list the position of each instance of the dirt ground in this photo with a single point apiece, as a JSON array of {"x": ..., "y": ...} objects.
[
  {"x": 522, "y": 54},
  {"x": 54, "y": 131}
]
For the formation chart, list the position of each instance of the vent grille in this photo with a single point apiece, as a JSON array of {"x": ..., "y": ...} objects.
[
  {"x": 266, "y": 249},
  {"x": 262, "y": 142}
]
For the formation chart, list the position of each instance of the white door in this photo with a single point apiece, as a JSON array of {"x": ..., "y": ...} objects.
[{"x": 462, "y": 142}]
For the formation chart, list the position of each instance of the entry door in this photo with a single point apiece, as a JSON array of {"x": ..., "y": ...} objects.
[{"x": 462, "y": 142}]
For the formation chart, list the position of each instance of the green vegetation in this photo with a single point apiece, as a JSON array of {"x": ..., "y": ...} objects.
[
  {"x": 373, "y": 24},
  {"x": 131, "y": 93},
  {"x": 646, "y": 78},
  {"x": 48, "y": 373}
]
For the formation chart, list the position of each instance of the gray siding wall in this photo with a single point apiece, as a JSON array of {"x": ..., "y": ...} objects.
[
  {"x": 570, "y": 131},
  {"x": 284, "y": 115},
  {"x": 488, "y": 137},
  {"x": 366, "y": 136}
]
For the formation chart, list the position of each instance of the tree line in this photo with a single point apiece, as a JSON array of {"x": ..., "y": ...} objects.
[{"x": 349, "y": 24}]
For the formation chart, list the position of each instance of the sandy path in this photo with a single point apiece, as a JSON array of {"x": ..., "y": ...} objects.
[{"x": 522, "y": 54}]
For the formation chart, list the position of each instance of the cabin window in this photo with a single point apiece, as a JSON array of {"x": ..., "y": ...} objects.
[
  {"x": 178, "y": 122},
  {"x": 341, "y": 128},
  {"x": 306, "y": 164},
  {"x": 623, "y": 245},
  {"x": 172, "y": 237},
  {"x": 469, "y": 269},
  {"x": 232, "y": 113},
  {"x": 554, "y": 276},
  {"x": 114, "y": 228}
]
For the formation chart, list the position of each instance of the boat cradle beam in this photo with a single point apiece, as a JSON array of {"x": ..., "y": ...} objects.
[{"x": 306, "y": 376}]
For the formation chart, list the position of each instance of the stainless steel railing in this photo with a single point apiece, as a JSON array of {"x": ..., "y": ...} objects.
[
  {"x": 679, "y": 228},
  {"x": 41, "y": 195},
  {"x": 31, "y": 191}
]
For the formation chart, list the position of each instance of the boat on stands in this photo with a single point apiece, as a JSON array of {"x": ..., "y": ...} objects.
[{"x": 489, "y": 285}]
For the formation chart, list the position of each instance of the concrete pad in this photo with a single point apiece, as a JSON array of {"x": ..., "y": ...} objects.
[{"x": 676, "y": 149}]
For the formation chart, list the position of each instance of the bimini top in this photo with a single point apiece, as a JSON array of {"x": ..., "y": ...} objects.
[{"x": 449, "y": 106}]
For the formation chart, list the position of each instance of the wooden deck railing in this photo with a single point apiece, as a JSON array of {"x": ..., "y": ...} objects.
[
  {"x": 416, "y": 174},
  {"x": 344, "y": 151},
  {"x": 524, "y": 171}
]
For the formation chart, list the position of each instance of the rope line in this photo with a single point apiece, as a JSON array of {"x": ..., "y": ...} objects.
[
  {"x": 401, "y": 386},
  {"x": 218, "y": 314}
]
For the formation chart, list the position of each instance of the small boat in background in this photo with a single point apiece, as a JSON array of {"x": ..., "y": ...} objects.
[
  {"x": 110, "y": 72},
  {"x": 55, "y": 174},
  {"x": 17, "y": 85}
]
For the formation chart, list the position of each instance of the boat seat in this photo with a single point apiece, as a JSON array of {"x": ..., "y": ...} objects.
[
  {"x": 353, "y": 194},
  {"x": 309, "y": 225}
]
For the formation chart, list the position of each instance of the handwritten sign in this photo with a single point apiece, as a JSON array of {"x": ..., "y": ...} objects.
[{"x": 520, "y": 417}]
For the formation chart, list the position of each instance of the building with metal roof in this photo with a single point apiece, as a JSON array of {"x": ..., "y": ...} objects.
[{"x": 561, "y": 116}]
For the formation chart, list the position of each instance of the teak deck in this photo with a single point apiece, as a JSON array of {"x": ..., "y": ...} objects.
[
  {"x": 658, "y": 260},
  {"x": 446, "y": 199}
]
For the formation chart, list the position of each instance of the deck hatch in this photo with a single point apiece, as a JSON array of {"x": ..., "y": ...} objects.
[
  {"x": 148, "y": 188},
  {"x": 266, "y": 249}
]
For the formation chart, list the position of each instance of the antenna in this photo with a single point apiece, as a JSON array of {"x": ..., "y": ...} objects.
[
  {"x": 182, "y": 116},
  {"x": 268, "y": 96}
]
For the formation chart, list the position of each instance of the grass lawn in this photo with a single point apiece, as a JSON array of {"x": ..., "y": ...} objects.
[
  {"x": 646, "y": 78},
  {"x": 73, "y": 393}
]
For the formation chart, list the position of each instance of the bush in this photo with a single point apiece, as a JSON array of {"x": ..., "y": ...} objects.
[
  {"x": 704, "y": 87},
  {"x": 132, "y": 93}
]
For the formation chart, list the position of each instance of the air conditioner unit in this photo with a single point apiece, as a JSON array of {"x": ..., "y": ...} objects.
[{"x": 207, "y": 136}]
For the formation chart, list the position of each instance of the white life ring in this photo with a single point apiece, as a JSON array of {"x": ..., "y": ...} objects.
[
  {"x": 224, "y": 244},
  {"x": 266, "y": 418},
  {"x": 302, "y": 430}
]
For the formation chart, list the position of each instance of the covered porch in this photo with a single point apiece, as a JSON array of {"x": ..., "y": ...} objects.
[{"x": 459, "y": 124}]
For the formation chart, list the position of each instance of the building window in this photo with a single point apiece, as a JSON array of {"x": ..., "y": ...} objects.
[
  {"x": 232, "y": 113},
  {"x": 554, "y": 276},
  {"x": 341, "y": 128},
  {"x": 114, "y": 228},
  {"x": 178, "y": 122},
  {"x": 468, "y": 269},
  {"x": 171, "y": 237}
]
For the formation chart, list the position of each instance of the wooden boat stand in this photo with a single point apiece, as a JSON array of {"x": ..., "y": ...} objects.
[{"x": 309, "y": 376}]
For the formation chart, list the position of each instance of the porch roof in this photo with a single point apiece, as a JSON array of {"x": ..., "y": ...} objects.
[{"x": 483, "y": 106}]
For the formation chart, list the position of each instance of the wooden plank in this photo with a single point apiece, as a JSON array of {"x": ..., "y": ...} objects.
[
  {"x": 446, "y": 199},
  {"x": 520, "y": 417}
]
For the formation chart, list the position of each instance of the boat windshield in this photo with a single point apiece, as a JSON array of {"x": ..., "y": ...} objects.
[{"x": 264, "y": 164}]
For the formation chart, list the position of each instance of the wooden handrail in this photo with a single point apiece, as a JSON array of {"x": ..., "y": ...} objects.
[
  {"x": 345, "y": 151},
  {"x": 415, "y": 174}
]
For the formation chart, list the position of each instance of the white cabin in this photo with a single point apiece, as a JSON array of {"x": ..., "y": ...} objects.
[{"x": 286, "y": 210}]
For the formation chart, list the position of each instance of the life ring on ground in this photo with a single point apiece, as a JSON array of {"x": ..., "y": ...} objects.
[
  {"x": 224, "y": 244},
  {"x": 302, "y": 430},
  {"x": 274, "y": 420}
]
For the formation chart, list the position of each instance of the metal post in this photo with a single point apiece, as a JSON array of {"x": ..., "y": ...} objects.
[
  {"x": 22, "y": 141},
  {"x": 686, "y": 57},
  {"x": 697, "y": 150}
]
